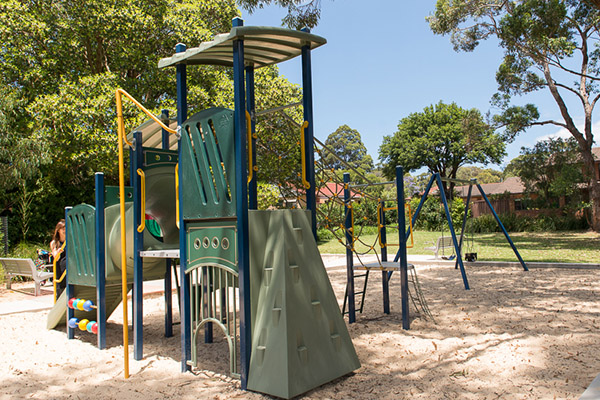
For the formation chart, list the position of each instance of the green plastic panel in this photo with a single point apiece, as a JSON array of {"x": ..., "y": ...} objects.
[
  {"x": 159, "y": 158},
  {"x": 207, "y": 174},
  {"x": 111, "y": 195},
  {"x": 212, "y": 242},
  {"x": 81, "y": 249},
  {"x": 299, "y": 338}
]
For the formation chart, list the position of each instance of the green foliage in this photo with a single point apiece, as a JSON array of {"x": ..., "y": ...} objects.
[
  {"x": 300, "y": 13},
  {"x": 549, "y": 168},
  {"x": 550, "y": 45},
  {"x": 347, "y": 149},
  {"x": 517, "y": 223},
  {"x": 483, "y": 175},
  {"x": 267, "y": 196},
  {"x": 442, "y": 138}
]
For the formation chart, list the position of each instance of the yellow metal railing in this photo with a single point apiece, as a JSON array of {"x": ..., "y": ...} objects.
[
  {"x": 142, "y": 226},
  {"x": 303, "y": 153},
  {"x": 123, "y": 139}
]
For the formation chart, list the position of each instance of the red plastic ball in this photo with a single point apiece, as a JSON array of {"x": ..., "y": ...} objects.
[{"x": 95, "y": 328}]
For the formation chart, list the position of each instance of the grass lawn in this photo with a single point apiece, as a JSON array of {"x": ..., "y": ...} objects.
[{"x": 570, "y": 246}]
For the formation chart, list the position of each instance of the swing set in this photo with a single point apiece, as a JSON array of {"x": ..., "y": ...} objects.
[{"x": 457, "y": 240}]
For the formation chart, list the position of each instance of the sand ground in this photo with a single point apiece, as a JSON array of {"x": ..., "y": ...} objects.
[{"x": 514, "y": 335}]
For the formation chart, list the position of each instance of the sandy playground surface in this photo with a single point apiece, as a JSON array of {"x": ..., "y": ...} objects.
[{"x": 515, "y": 335}]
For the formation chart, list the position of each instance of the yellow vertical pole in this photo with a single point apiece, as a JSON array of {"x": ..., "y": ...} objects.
[{"x": 121, "y": 129}]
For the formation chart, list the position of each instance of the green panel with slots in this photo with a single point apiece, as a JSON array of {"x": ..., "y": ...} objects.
[
  {"x": 159, "y": 158},
  {"x": 207, "y": 174},
  {"x": 212, "y": 242},
  {"x": 111, "y": 195}
]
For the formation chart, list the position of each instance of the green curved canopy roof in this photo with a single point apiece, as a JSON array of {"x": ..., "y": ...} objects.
[{"x": 262, "y": 46}]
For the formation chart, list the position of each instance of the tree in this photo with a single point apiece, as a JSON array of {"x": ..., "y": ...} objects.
[
  {"x": 550, "y": 169},
  {"x": 348, "y": 150},
  {"x": 64, "y": 60},
  {"x": 549, "y": 45},
  {"x": 301, "y": 13},
  {"x": 442, "y": 138},
  {"x": 483, "y": 175}
]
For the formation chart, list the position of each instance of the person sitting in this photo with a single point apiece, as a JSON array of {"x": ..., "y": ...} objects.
[{"x": 58, "y": 239}]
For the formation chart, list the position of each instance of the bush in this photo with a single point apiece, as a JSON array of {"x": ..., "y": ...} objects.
[
  {"x": 324, "y": 235},
  {"x": 516, "y": 223}
]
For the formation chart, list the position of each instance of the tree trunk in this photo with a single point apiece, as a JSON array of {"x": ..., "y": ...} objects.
[
  {"x": 594, "y": 187},
  {"x": 595, "y": 199}
]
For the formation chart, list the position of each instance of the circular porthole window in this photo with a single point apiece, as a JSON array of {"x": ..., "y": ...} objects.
[
  {"x": 205, "y": 242},
  {"x": 225, "y": 243},
  {"x": 197, "y": 243},
  {"x": 215, "y": 242}
]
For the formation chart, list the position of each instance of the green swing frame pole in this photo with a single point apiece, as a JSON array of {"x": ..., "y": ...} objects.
[
  {"x": 464, "y": 223},
  {"x": 502, "y": 227}
]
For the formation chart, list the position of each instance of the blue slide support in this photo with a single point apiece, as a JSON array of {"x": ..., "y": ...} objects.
[
  {"x": 138, "y": 245},
  {"x": 186, "y": 321},
  {"x": 168, "y": 262},
  {"x": 241, "y": 178},
  {"x": 307, "y": 104},
  {"x": 502, "y": 227},
  {"x": 402, "y": 248},
  {"x": 100, "y": 261}
]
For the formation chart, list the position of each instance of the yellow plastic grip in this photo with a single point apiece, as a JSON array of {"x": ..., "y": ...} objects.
[
  {"x": 250, "y": 155},
  {"x": 302, "y": 152},
  {"x": 56, "y": 280},
  {"x": 142, "y": 226},
  {"x": 177, "y": 195}
]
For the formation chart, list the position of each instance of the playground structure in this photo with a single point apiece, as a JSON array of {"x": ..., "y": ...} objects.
[{"x": 255, "y": 275}]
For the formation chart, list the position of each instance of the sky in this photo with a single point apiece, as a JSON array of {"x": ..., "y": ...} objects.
[{"x": 382, "y": 63}]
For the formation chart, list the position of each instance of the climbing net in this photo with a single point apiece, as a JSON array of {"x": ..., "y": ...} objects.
[{"x": 364, "y": 199}]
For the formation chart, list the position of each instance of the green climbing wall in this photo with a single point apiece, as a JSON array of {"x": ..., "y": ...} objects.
[{"x": 299, "y": 338}]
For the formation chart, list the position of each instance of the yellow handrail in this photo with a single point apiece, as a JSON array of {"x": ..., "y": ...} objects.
[
  {"x": 250, "y": 155},
  {"x": 177, "y": 195},
  {"x": 54, "y": 280},
  {"x": 142, "y": 226},
  {"x": 412, "y": 240},
  {"x": 123, "y": 139},
  {"x": 303, "y": 153}
]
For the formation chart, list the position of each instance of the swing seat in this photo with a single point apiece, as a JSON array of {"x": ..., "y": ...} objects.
[{"x": 443, "y": 242}]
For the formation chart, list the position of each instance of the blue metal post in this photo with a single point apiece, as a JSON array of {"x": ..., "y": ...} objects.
[
  {"x": 241, "y": 177},
  {"x": 464, "y": 223},
  {"x": 307, "y": 104},
  {"x": 100, "y": 262},
  {"x": 349, "y": 252},
  {"x": 418, "y": 210},
  {"x": 69, "y": 288},
  {"x": 138, "y": 245},
  {"x": 502, "y": 227},
  {"x": 452, "y": 232},
  {"x": 186, "y": 321},
  {"x": 402, "y": 248},
  {"x": 251, "y": 108},
  {"x": 385, "y": 278},
  {"x": 168, "y": 263}
]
